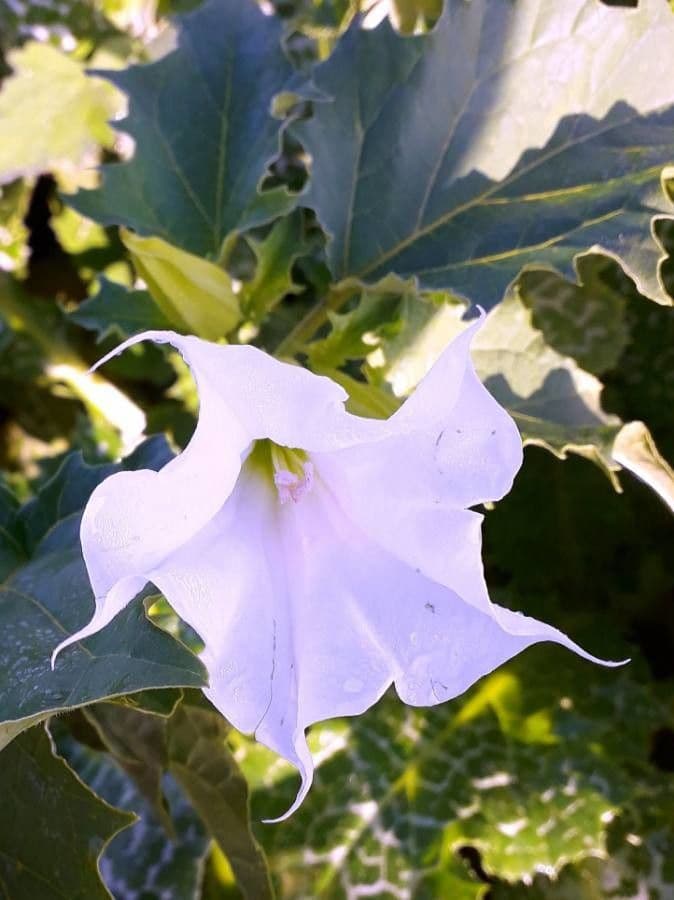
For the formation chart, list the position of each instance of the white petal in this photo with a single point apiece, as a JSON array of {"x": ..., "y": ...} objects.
[
  {"x": 270, "y": 399},
  {"x": 454, "y": 447},
  {"x": 305, "y": 619},
  {"x": 471, "y": 441},
  {"x": 309, "y": 609},
  {"x": 231, "y": 583},
  {"x": 133, "y": 520}
]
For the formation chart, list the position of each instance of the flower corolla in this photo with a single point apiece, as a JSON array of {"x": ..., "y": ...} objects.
[{"x": 321, "y": 556}]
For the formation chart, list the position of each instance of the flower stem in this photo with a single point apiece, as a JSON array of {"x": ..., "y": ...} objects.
[{"x": 317, "y": 316}]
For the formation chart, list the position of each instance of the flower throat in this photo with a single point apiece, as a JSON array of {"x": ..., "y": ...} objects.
[{"x": 288, "y": 467}]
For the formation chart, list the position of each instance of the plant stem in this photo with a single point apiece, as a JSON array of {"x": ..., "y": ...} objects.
[{"x": 307, "y": 327}]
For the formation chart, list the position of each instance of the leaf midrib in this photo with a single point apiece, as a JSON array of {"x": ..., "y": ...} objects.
[{"x": 497, "y": 186}]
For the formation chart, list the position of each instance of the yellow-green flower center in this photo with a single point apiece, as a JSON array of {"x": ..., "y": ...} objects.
[{"x": 289, "y": 468}]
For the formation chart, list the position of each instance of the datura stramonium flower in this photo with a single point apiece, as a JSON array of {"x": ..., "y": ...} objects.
[{"x": 320, "y": 556}]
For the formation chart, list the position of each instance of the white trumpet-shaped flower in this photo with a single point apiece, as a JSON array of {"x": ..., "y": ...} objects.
[{"x": 320, "y": 556}]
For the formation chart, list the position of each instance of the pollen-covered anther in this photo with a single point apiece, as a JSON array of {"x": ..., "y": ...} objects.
[{"x": 291, "y": 486}]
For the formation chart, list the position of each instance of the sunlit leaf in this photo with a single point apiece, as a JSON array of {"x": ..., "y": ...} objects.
[
  {"x": 195, "y": 295},
  {"x": 273, "y": 279},
  {"x": 513, "y": 134},
  {"x": 529, "y": 770},
  {"x": 52, "y": 114},
  {"x": 115, "y": 309}
]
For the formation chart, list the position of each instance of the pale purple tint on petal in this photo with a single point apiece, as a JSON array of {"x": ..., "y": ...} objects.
[{"x": 312, "y": 595}]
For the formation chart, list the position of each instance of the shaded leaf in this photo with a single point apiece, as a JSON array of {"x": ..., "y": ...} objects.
[
  {"x": 191, "y": 744},
  {"x": 49, "y": 597},
  {"x": 194, "y": 186},
  {"x": 462, "y": 156},
  {"x": 137, "y": 742},
  {"x": 202, "y": 763},
  {"x": 587, "y": 320},
  {"x": 143, "y": 860},
  {"x": 642, "y": 384},
  {"x": 116, "y": 309},
  {"x": 275, "y": 255},
  {"x": 52, "y": 828},
  {"x": 556, "y": 404},
  {"x": 116, "y": 420},
  {"x": 11, "y": 548}
]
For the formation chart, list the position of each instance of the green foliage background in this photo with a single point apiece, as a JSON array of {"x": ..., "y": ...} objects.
[{"x": 342, "y": 195}]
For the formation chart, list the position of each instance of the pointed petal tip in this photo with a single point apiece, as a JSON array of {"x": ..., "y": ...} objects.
[
  {"x": 160, "y": 337},
  {"x": 301, "y": 758},
  {"x": 614, "y": 664},
  {"x": 590, "y": 657},
  {"x": 307, "y": 779},
  {"x": 60, "y": 647}
]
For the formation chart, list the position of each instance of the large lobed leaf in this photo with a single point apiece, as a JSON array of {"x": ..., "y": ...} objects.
[
  {"x": 52, "y": 828},
  {"x": 201, "y": 118},
  {"x": 529, "y": 770},
  {"x": 47, "y": 597},
  {"x": 514, "y": 133},
  {"x": 72, "y": 108},
  {"x": 190, "y": 745}
]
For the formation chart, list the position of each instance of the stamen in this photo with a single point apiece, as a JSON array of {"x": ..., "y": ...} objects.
[
  {"x": 291, "y": 486},
  {"x": 290, "y": 468}
]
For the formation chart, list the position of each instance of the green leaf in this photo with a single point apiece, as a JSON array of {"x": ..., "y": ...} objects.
[
  {"x": 78, "y": 18},
  {"x": 634, "y": 448},
  {"x": 410, "y": 14},
  {"x": 14, "y": 199},
  {"x": 117, "y": 422},
  {"x": 275, "y": 255},
  {"x": 52, "y": 828},
  {"x": 195, "y": 186},
  {"x": 202, "y": 763},
  {"x": 195, "y": 295},
  {"x": 555, "y": 403},
  {"x": 641, "y": 861},
  {"x": 48, "y": 597},
  {"x": 356, "y": 333},
  {"x": 642, "y": 384},
  {"x": 116, "y": 309},
  {"x": 137, "y": 742},
  {"x": 191, "y": 744},
  {"x": 528, "y": 769},
  {"x": 587, "y": 320},
  {"x": 71, "y": 107},
  {"x": 463, "y": 156},
  {"x": 11, "y": 550},
  {"x": 143, "y": 860}
]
